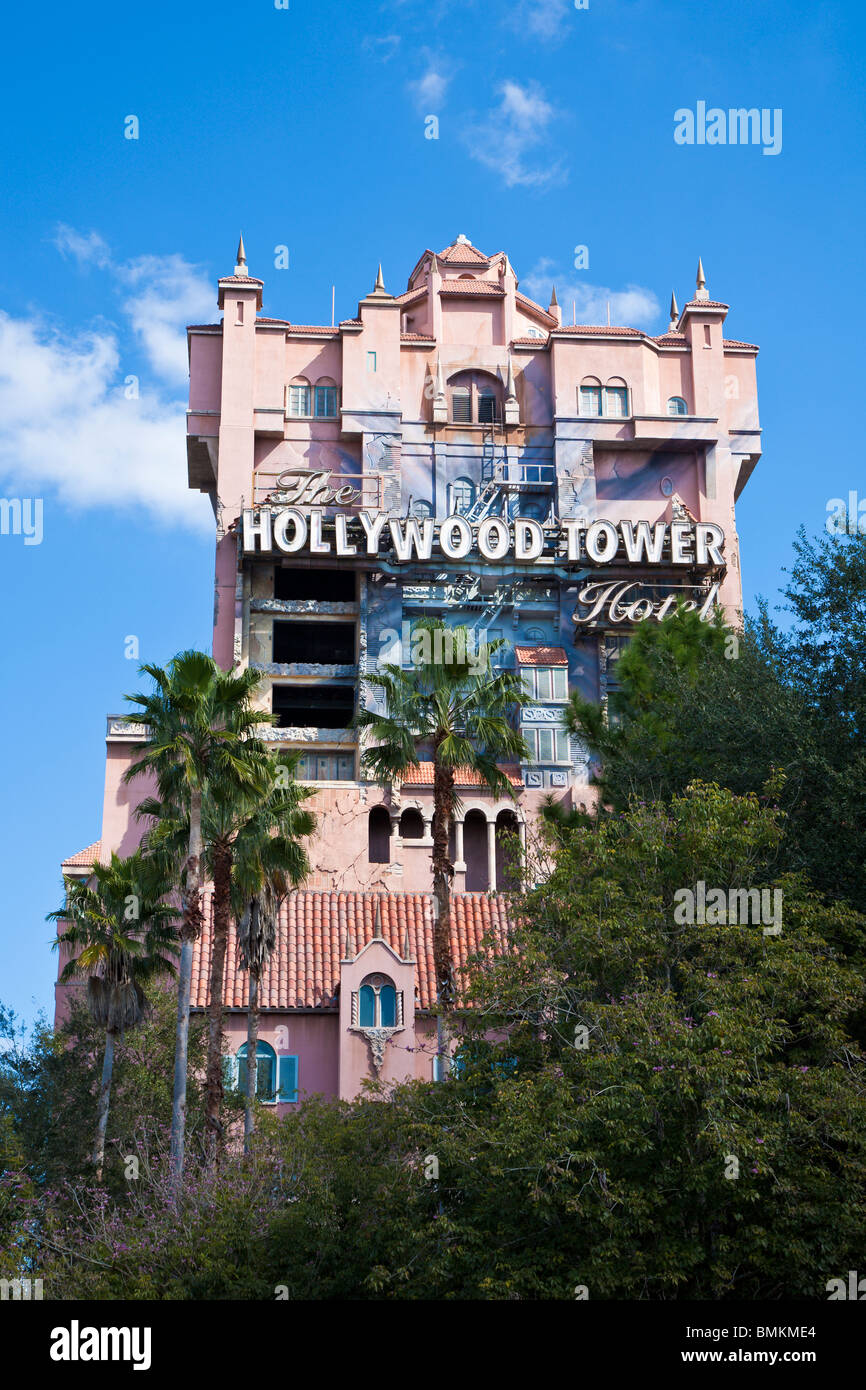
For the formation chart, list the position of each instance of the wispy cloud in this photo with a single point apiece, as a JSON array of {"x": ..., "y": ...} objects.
[
  {"x": 511, "y": 138},
  {"x": 73, "y": 413},
  {"x": 544, "y": 19},
  {"x": 429, "y": 90},
  {"x": 631, "y": 307},
  {"x": 381, "y": 46}
]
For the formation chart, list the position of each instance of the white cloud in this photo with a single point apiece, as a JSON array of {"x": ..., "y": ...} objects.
[
  {"x": 168, "y": 294},
  {"x": 512, "y": 132},
  {"x": 631, "y": 307},
  {"x": 65, "y": 419},
  {"x": 544, "y": 18},
  {"x": 382, "y": 46},
  {"x": 429, "y": 90}
]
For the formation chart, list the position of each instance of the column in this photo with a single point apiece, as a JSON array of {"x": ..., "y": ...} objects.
[
  {"x": 459, "y": 863},
  {"x": 491, "y": 855}
]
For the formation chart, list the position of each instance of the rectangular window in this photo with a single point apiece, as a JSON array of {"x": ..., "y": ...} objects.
[
  {"x": 313, "y": 706},
  {"x": 314, "y": 643},
  {"x": 371, "y": 361},
  {"x": 486, "y": 408},
  {"x": 615, "y": 401},
  {"x": 326, "y": 402},
  {"x": 590, "y": 400},
  {"x": 288, "y": 1092},
  {"x": 546, "y": 682},
  {"x": 299, "y": 401},
  {"x": 461, "y": 405},
  {"x": 326, "y": 767},
  {"x": 547, "y": 745}
]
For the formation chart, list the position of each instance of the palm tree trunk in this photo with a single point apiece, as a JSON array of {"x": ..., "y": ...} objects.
[
  {"x": 252, "y": 1061},
  {"x": 443, "y": 873},
  {"x": 102, "y": 1107},
  {"x": 190, "y": 928},
  {"x": 214, "y": 1081}
]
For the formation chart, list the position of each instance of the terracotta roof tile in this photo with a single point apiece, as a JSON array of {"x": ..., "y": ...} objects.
[
  {"x": 313, "y": 328},
  {"x": 476, "y": 287},
  {"x": 541, "y": 656},
  {"x": 531, "y": 342},
  {"x": 313, "y": 935},
  {"x": 732, "y": 343},
  {"x": 416, "y": 338},
  {"x": 706, "y": 304},
  {"x": 422, "y": 776},
  {"x": 531, "y": 304},
  {"x": 240, "y": 280},
  {"x": 462, "y": 253},
  {"x": 598, "y": 328},
  {"x": 84, "y": 857}
]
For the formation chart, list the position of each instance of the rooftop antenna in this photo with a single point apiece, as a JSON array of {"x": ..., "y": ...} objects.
[
  {"x": 333, "y": 300},
  {"x": 574, "y": 312},
  {"x": 608, "y": 313}
]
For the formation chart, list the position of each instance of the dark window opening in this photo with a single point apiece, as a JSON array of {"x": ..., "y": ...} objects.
[
  {"x": 318, "y": 644},
  {"x": 379, "y": 836},
  {"x": 330, "y": 586},
  {"x": 314, "y": 706},
  {"x": 412, "y": 825}
]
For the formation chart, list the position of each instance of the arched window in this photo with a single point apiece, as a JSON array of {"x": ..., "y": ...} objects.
[
  {"x": 677, "y": 406},
  {"x": 378, "y": 1004},
  {"x": 421, "y": 507},
  {"x": 325, "y": 399},
  {"x": 411, "y": 824},
  {"x": 366, "y": 1007},
  {"x": 461, "y": 496},
  {"x": 379, "y": 836},
  {"x": 476, "y": 398},
  {"x": 266, "y": 1071},
  {"x": 299, "y": 398},
  {"x": 616, "y": 397},
  {"x": 590, "y": 396}
]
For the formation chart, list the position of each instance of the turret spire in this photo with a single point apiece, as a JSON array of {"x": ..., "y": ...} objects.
[
  {"x": 701, "y": 292},
  {"x": 675, "y": 313}
]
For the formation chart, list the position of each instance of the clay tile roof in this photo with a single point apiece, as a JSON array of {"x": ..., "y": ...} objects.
[
  {"x": 416, "y": 338},
  {"x": 732, "y": 343},
  {"x": 422, "y": 776},
  {"x": 671, "y": 339},
  {"x": 532, "y": 342},
  {"x": 461, "y": 253},
  {"x": 531, "y": 304},
  {"x": 411, "y": 296},
  {"x": 313, "y": 328},
  {"x": 598, "y": 328},
  {"x": 240, "y": 280},
  {"x": 261, "y": 319},
  {"x": 312, "y": 933},
  {"x": 706, "y": 304},
  {"x": 541, "y": 656},
  {"x": 191, "y": 326},
  {"x": 472, "y": 287},
  {"x": 84, "y": 857}
]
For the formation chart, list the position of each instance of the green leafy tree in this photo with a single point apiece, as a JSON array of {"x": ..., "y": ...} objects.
[
  {"x": 121, "y": 934},
  {"x": 200, "y": 728},
  {"x": 457, "y": 712}
]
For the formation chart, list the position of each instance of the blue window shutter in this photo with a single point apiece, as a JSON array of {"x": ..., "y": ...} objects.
[{"x": 288, "y": 1080}]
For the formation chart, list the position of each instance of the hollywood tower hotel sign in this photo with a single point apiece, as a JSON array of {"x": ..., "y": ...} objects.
[{"x": 455, "y": 450}]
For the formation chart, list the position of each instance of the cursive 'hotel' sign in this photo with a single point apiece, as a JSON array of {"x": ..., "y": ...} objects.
[{"x": 292, "y": 531}]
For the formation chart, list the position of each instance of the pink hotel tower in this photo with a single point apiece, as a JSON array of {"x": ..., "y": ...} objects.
[{"x": 457, "y": 451}]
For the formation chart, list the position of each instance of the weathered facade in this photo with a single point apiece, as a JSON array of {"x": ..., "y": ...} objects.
[{"x": 453, "y": 451}]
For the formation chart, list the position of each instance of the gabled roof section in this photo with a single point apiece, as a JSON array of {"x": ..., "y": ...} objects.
[
  {"x": 462, "y": 252},
  {"x": 541, "y": 656},
  {"x": 84, "y": 858}
]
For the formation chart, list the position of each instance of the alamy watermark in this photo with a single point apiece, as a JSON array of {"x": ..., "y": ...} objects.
[
  {"x": 738, "y": 907},
  {"x": 22, "y": 516},
  {"x": 736, "y": 126},
  {"x": 421, "y": 646},
  {"x": 846, "y": 517}
]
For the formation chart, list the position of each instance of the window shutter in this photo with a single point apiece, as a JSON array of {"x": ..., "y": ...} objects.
[
  {"x": 288, "y": 1091},
  {"x": 461, "y": 405}
]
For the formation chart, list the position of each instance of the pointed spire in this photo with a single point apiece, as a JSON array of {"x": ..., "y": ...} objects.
[
  {"x": 701, "y": 292},
  {"x": 675, "y": 313},
  {"x": 434, "y": 264},
  {"x": 242, "y": 255},
  {"x": 380, "y": 283},
  {"x": 510, "y": 388},
  {"x": 378, "y": 291},
  {"x": 553, "y": 299},
  {"x": 440, "y": 379},
  {"x": 377, "y": 926}
]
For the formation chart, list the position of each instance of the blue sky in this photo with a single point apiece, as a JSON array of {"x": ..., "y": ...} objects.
[{"x": 305, "y": 127}]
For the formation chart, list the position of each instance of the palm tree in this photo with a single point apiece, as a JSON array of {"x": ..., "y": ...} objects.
[
  {"x": 199, "y": 724},
  {"x": 457, "y": 711},
  {"x": 124, "y": 937},
  {"x": 268, "y": 860},
  {"x": 234, "y": 821}
]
